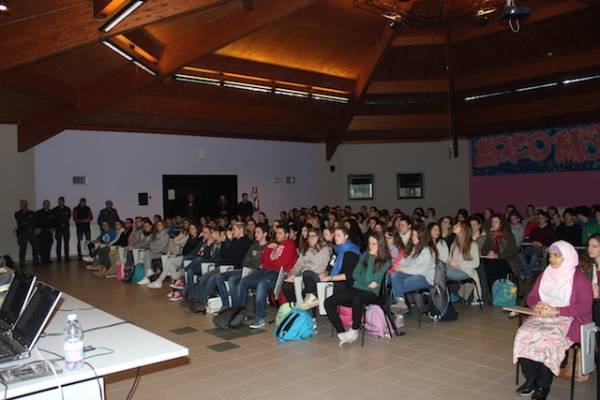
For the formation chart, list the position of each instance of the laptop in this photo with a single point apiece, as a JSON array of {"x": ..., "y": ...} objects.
[
  {"x": 16, "y": 298},
  {"x": 18, "y": 343}
]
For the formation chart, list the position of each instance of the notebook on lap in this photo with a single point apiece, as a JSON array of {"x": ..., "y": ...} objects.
[
  {"x": 16, "y": 298},
  {"x": 17, "y": 344}
]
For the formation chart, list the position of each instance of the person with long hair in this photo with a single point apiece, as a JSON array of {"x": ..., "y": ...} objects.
[
  {"x": 435, "y": 233},
  {"x": 463, "y": 259},
  {"x": 501, "y": 255},
  {"x": 446, "y": 230},
  {"x": 561, "y": 300},
  {"x": 394, "y": 243},
  {"x": 590, "y": 265},
  {"x": 477, "y": 233},
  {"x": 368, "y": 277},
  {"x": 417, "y": 269},
  {"x": 313, "y": 258},
  {"x": 354, "y": 232}
]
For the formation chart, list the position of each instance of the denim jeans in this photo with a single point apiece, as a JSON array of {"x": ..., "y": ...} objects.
[
  {"x": 455, "y": 274},
  {"x": 529, "y": 256},
  {"x": 263, "y": 280},
  {"x": 403, "y": 283},
  {"x": 217, "y": 282},
  {"x": 200, "y": 291}
]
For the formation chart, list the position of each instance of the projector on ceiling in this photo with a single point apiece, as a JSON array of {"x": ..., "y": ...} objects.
[{"x": 515, "y": 12}]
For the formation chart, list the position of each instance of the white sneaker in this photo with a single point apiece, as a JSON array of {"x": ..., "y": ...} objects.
[
  {"x": 171, "y": 294},
  {"x": 155, "y": 285},
  {"x": 144, "y": 281},
  {"x": 310, "y": 301},
  {"x": 257, "y": 325},
  {"x": 343, "y": 337},
  {"x": 400, "y": 305},
  {"x": 352, "y": 335},
  {"x": 399, "y": 321},
  {"x": 88, "y": 259}
]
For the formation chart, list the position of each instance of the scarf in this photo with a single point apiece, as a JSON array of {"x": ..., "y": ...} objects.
[
  {"x": 340, "y": 250},
  {"x": 496, "y": 237},
  {"x": 556, "y": 284}
]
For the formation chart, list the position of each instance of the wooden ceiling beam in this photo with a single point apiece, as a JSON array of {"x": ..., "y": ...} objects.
[
  {"x": 246, "y": 67},
  {"x": 392, "y": 122},
  {"x": 129, "y": 79},
  {"x": 336, "y": 137},
  {"x": 399, "y": 87},
  {"x": 419, "y": 40},
  {"x": 41, "y": 36},
  {"x": 536, "y": 70},
  {"x": 249, "y": 4},
  {"x": 215, "y": 34},
  {"x": 464, "y": 31},
  {"x": 142, "y": 39},
  {"x": 41, "y": 86}
]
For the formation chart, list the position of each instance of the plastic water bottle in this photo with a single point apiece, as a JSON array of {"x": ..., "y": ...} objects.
[{"x": 73, "y": 343}]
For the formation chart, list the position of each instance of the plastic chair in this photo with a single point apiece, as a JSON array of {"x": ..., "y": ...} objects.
[{"x": 420, "y": 303}]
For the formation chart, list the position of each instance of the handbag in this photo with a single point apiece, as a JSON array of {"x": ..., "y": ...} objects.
[{"x": 157, "y": 269}]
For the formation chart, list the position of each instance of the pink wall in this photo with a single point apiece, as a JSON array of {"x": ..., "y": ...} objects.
[{"x": 559, "y": 189}]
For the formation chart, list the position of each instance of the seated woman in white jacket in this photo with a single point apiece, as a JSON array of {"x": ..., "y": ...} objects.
[
  {"x": 435, "y": 232},
  {"x": 417, "y": 270},
  {"x": 463, "y": 259}
]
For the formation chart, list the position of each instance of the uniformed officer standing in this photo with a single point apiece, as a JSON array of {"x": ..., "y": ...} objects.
[
  {"x": 44, "y": 223},
  {"x": 25, "y": 234},
  {"x": 62, "y": 217}
]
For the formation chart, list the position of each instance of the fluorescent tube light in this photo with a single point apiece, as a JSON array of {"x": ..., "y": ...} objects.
[
  {"x": 536, "y": 87},
  {"x": 486, "y": 95},
  {"x": 581, "y": 79},
  {"x": 117, "y": 50},
  {"x": 142, "y": 66},
  {"x": 291, "y": 92},
  {"x": 328, "y": 97},
  {"x": 197, "y": 79},
  {"x": 121, "y": 15},
  {"x": 247, "y": 86}
]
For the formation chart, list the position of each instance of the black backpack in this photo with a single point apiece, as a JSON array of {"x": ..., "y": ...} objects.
[{"x": 230, "y": 318}]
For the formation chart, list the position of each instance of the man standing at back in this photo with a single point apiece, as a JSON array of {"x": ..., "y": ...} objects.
[
  {"x": 25, "y": 233},
  {"x": 245, "y": 208},
  {"x": 62, "y": 217},
  {"x": 44, "y": 223},
  {"x": 108, "y": 214},
  {"x": 82, "y": 216}
]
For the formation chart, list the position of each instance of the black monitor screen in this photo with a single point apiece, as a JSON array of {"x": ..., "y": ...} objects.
[
  {"x": 35, "y": 314},
  {"x": 16, "y": 297}
]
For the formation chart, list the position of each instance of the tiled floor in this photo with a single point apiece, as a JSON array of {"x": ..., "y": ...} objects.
[{"x": 468, "y": 360}]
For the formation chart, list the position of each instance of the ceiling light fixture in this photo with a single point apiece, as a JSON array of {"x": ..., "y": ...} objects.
[
  {"x": 291, "y": 92},
  {"x": 117, "y": 50},
  {"x": 197, "y": 79},
  {"x": 581, "y": 79},
  {"x": 487, "y": 8},
  {"x": 486, "y": 95},
  {"x": 247, "y": 86},
  {"x": 536, "y": 87},
  {"x": 142, "y": 66},
  {"x": 513, "y": 14},
  {"x": 121, "y": 15},
  {"x": 327, "y": 97},
  {"x": 396, "y": 21},
  {"x": 4, "y": 5}
]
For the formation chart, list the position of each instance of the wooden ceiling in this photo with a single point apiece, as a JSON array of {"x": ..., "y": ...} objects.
[{"x": 404, "y": 85}]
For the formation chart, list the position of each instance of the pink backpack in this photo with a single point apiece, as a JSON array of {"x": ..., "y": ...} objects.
[
  {"x": 376, "y": 321},
  {"x": 345, "y": 314},
  {"x": 120, "y": 269}
]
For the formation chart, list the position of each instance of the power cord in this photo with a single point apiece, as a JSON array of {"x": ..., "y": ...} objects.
[
  {"x": 136, "y": 381},
  {"x": 89, "y": 330},
  {"x": 60, "y": 388},
  {"x": 76, "y": 309},
  {"x": 5, "y": 388}
]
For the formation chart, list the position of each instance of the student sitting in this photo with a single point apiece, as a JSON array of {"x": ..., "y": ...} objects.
[
  {"x": 280, "y": 254},
  {"x": 177, "y": 242},
  {"x": 341, "y": 266},
  {"x": 233, "y": 251},
  {"x": 99, "y": 248},
  {"x": 463, "y": 258},
  {"x": 516, "y": 227},
  {"x": 395, "y": 245},
  {"x": 593, "y": 225},
  {"x": 569, "y": 231},
  {"x": 500, "y": 252},
  {"x": 477, "y": 233},
  {"x": 208, "y": 251},
  {"x": 541, "y": 236},
  {"x": 173, "y": 267},
  {"x": 446, "y": 230},
  {"x": 312, "y": 261},
  {"x": 417, "y": 270},
  {"x": 159, "y": 244},
  {"x": 441, "y": 245},
  {"x": 562, "y": 301},
  {"x": 368, "y": 276}
]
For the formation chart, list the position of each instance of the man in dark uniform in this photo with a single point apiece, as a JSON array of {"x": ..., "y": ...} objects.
[
  {"x": 25, "y": 226},
  {"x": 82, "y": 216},
  {"x": 44, "y": 223},
  {"x": 245, "y": 208},
  {"x": 108, "y": 214},
  {"x": 62, "y": 216}
]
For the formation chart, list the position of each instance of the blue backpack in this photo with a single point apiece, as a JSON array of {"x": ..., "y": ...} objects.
[
  {"x": 139, "y": 273},
  {"x": 297, "y": 325},
  {"x": 504, "y": 293}
]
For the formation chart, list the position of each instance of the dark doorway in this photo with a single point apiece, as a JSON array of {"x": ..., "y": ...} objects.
[{"x": 206, "y": 190}]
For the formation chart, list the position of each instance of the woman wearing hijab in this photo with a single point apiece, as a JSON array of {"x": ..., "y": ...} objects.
[{"x": 562, "y": 301}]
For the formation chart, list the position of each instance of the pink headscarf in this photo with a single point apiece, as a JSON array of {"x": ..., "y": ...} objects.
[{"x": 557, "y": 283}]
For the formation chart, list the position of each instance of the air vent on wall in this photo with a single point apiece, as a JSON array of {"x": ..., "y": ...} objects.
[{"x": 80, "y": 180}]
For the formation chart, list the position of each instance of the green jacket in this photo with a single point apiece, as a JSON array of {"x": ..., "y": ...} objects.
[
  {"x": 589, "y": 230},
  {"x": 363, "y": 276}
]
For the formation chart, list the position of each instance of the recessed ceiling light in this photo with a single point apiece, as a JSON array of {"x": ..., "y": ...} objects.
[{"x": 3, "y": 5}]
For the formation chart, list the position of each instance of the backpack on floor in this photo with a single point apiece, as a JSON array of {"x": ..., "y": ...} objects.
[
  {"x": 345, "y": 314},
  {"x": 139, "y": 272},
  {"x": 440, "y": 304},
  {"x": 283, "y": 312},
  {"x": 504, "y": 293},
  {"x": 376, "y": 322},
  {"x": 297, "y": 325},
  {"x": 120, "y": 271},
  {"x": 230, "y": 318}
]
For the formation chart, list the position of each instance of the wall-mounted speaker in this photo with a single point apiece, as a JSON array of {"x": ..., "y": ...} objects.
[{"x": 143, "y": 199}]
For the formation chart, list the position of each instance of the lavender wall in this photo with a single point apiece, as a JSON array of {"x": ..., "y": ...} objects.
[{"x": 119, "y": 165}]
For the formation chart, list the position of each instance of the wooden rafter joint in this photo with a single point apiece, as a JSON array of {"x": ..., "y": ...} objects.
[{"x": 249, "y": 4}]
